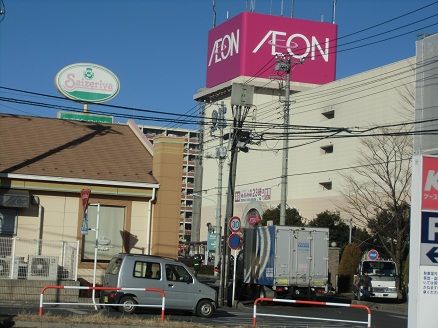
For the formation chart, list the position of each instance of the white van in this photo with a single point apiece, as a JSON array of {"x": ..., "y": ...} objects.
[{"x": 182, "y": 290}]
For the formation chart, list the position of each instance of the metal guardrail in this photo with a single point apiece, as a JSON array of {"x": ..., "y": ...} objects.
[
  {"x": 154, "y": 290},
  {"x": 355, "y": 306}
]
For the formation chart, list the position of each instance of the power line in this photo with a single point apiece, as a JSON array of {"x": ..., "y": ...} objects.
[{"x": 314, "y": 172}]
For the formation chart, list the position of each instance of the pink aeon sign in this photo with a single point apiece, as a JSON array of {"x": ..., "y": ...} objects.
[
  {"x": 247, "y": 44},
  {"x": 429, "y": 188}
]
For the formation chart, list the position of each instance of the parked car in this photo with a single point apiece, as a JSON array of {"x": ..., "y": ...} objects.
[{"x": 182, "y": 290}]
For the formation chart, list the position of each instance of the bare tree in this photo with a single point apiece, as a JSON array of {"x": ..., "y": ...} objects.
[{"x": 377, "y": 192}]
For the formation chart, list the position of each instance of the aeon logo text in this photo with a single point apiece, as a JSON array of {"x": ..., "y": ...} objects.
[
  {"x": 431, "y": 181},
  {"x": 225, "y": 47},
  {"x": 277, "y": 39}
]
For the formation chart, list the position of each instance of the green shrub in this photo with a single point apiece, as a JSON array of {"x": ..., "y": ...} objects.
[
  {"x": 207, "y": 269},
  {"x": 350, "y": 259}
]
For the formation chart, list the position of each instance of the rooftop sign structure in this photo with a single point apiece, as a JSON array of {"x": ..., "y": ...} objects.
[
  {"x": 247, "y": 44},
  {"x": 87, "y": 82}
]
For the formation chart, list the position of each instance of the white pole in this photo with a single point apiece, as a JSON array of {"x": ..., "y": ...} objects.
[
  {"x": 77, "y": 260},
  {"x": 13, "y": 257},
  {"x": 234, "y": 278},
  {"x": 95, "y": 255},
  {"x": 62, "y": 253}
]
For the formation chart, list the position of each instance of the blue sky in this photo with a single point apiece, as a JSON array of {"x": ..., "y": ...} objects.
[{"x": 157, "y": 48}]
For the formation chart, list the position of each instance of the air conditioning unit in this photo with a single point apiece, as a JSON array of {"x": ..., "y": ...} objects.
[
  {"x": 42, "y": 267},
  {"x": 6, "y": 265}
]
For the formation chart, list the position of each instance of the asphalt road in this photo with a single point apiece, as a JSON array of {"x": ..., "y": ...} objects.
[{"x": 242, "y": 316}]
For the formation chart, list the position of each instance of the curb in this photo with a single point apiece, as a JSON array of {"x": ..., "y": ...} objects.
[{"x": 400, "y": 308}]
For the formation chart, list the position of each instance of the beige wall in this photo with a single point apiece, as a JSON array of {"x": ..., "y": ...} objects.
[
  {"x": 363, "y": 100},
  {"x": 61, "y": 216}
]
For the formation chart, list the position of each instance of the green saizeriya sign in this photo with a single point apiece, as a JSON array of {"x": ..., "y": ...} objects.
[
  {"x": 87, "y": 82},
  {"x": 85, "y": 117}
]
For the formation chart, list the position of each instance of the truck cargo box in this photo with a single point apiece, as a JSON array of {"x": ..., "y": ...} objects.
[{"x": 286, "y": 256}]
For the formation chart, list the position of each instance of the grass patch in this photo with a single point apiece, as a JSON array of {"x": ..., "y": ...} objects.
[{"x": 101, "y": 318}]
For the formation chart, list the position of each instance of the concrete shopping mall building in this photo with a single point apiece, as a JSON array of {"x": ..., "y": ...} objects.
[{"x": 373, "y": 98}]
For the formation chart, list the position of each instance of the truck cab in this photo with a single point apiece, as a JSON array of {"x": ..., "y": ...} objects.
[{"x": 383, "y": 276}]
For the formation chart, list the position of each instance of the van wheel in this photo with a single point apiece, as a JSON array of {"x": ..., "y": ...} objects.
[
  {"x": 128, "y": 302},
  {"x": 204, "y": 309}
]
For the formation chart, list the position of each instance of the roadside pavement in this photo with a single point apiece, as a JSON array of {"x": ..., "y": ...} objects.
[{"x": 398, "y": 308}]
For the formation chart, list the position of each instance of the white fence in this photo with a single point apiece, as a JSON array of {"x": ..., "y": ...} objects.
[{"x": 38, "y": 259}]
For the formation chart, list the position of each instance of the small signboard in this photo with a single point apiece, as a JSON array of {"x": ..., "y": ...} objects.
[
  {"x": 234, "y": 224},
  {"x": 75, "y": 116},
  {"x": 234, "y": 241},
  {"x": 211, "y": 242},
  {"x": 429, "y": 238},
  {"x": 254, "y": 220},
  {"x": 85, "y": 196}
]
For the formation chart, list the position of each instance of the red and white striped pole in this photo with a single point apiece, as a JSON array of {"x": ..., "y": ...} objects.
[
  {"x": 156, "y": 290},
  {"x": 355, "y": 306}
]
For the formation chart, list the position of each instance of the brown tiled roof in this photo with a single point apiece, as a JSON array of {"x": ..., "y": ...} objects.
[{"x": 72, "y": 149}]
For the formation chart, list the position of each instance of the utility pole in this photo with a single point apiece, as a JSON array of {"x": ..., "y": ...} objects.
[
  {"x": 241, "y": 102},
  {"x": 351, "y": 230},
  {"x": 237, "y": 123},
  {"x": 221, "y": 153},
  {"x": 197, "y": 190},
  {"x": 284, "y": 64}
]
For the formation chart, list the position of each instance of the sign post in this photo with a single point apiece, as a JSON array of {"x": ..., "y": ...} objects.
[
  {"x": 423, "y": 253},
  {"x": 234, "y": 242}
]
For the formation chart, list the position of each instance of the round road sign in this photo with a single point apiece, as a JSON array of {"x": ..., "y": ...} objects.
[
  {"x": 234, "y": 241},
  {"x": 234, "y": 224},
  {"x": 373, "y": 255}
]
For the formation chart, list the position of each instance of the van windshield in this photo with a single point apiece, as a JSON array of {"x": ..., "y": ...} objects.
[
  {"x": 379, "y": 268},
  {"x": 114, "y": 266}
]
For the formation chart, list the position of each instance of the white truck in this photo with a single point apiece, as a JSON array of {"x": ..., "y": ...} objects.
[
  {"x": 382, "y": 274},
  {"x": 291, "y": 261}
]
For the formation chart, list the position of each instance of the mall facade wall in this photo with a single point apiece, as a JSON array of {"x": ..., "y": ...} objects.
[{"x": 373, "y": 98}]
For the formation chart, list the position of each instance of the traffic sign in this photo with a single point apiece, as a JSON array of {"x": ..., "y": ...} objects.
[
  {"x": 373, "y": 255},
  {"x": 234, "y": 224},
  {"x": 234, "y": 241}
]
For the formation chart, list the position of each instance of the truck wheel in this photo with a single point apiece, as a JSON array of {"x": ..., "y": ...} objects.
[
  {"x": 204, "y": 309},
  {"x": 262, "y": 292},
  {"x": 361, "y": 297},
  {"x": 127, "y": 303}
]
